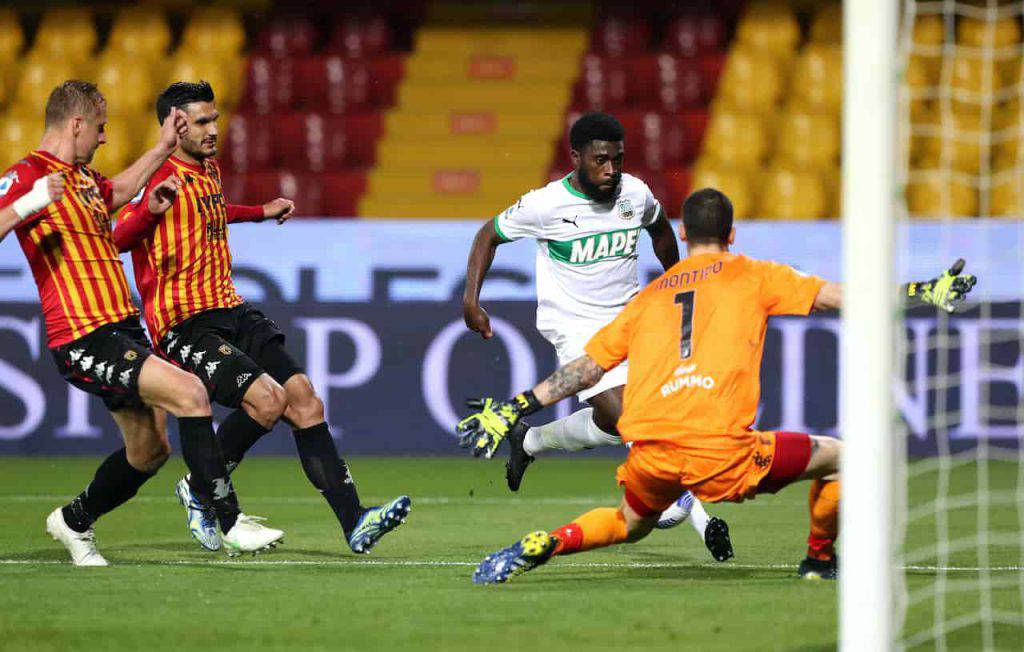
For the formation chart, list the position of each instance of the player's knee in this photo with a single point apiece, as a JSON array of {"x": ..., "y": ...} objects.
[
  {"x": 305, "y": 408},
  {"x": 190, "y": 397},
  {"x": 829, "y": 452},
  {"x": 266, "y": 401}
]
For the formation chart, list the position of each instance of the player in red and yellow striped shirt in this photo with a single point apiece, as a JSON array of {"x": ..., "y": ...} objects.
[
  {"x": 60, "y": 209},
  {"x": 183, "y": 270}
]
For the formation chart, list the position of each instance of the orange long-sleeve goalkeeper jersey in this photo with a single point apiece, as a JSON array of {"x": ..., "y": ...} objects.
[{"x": 694, "y": 338}]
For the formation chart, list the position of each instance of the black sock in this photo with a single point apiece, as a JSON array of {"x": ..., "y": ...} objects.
[
  {"x": 114, "y": 483},
  {"x": 329, "y": 474},
  {"x": 237, "y": 434},
  {"x": 209, "y": 475}
]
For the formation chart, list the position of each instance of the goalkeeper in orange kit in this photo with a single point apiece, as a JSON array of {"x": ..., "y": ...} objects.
[{"x": 694, "y": 338}]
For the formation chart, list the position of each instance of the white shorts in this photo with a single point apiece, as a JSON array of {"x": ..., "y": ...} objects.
[{"x": 569, "y": 346}]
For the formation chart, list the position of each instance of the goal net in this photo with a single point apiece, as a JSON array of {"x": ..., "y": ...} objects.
[{"x": 959, "y": 379}]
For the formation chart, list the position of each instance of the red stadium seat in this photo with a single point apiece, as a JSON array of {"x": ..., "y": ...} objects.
[
  {"x": 339, "y": 85},
  {"x": 321, "y": 142},
  {"x": 620, "y": 37},
  {"x": 341, "y": 192},
  {"x": 269, "y": 84},
  {"x": 301, "y": 187},
  {"x": 287, "y": 37},
  {"x": 360, "y": 38},
  {"x": 603, "y": 84},
  {"x": 681, "y": 83},
  {"x": 695, "y": 35},
  {"x": 711, "y": 66},
  {"x": 247, "y": 146}
]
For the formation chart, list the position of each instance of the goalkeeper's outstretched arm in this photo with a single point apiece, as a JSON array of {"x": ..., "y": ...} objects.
[{"x": 942, "y": 292}]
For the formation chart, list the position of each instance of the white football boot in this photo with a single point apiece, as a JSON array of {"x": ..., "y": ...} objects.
[
  {"x": 81, "y": 545},
  {"x": 248, "y": 535}
]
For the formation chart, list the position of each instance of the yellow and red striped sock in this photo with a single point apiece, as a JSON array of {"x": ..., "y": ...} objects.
[
  {"x": 597, "y": 528},
  {"x": 823, "y": 502}
]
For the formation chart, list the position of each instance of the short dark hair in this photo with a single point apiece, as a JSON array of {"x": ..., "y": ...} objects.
[
  {"x": 71, "y": 97},
  {"x": 179, "y": 94},
  {"x": 595, "y": 126},
  {"x": 707, "y": 216}
]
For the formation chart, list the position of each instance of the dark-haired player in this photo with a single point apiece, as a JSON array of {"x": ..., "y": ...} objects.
[
  {"x": 199, "y": 322},
  {"x": 694, "y": 339},
  {"x": 587, "y": 226},
  {"x": 60, "y": 210}
]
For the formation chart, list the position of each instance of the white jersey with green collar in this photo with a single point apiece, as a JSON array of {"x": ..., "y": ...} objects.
[{"x": 586, "y": 250}]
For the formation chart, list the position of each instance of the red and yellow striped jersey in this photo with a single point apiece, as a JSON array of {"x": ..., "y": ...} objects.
[
  {"x": 69, "y": 247},
  {"x": 181, "y": 258}
]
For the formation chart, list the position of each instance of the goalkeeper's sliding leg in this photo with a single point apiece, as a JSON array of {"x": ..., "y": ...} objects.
[
  {"x": 594, "y": 427},
  {"x": 650, "y": 478}
]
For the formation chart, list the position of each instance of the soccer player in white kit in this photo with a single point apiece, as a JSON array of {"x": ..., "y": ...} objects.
[{"x": 587, "y": 227}]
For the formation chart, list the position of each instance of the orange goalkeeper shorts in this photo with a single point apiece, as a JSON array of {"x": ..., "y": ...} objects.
[{"x": 714, "y": 468}]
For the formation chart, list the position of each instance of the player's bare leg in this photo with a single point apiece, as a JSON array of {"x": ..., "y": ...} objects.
[
  {"x": 116, "y": 481},
  {"x": 165, "y": 386},
  {"x": 328, "y": 472}
]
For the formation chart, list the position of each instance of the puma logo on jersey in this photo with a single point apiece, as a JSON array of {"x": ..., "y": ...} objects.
[{"x": 572, "y": 221}]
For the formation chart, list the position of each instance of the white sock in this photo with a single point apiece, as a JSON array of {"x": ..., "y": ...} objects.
[
  {"x": 575, "y": 432},
  {"x": 698, "y": 517}
]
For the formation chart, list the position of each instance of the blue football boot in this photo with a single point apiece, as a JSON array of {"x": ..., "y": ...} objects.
[
  {"x": 201, "y": 519},
  {"x": 376, "y": 522},
  {"x": 524, "y": 555}
]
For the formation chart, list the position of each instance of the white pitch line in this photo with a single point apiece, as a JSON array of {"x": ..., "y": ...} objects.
[
  {"x": 315, "y": 500},
  {"x": 443, "y": 563}
]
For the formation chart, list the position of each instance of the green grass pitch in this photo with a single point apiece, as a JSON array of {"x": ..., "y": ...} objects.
[{"x": 414, "y": 591}]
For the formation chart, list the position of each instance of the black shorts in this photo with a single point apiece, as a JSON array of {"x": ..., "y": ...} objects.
[
  {"x": 228, "y": 349},
  {"x": 107, "y": 362}
]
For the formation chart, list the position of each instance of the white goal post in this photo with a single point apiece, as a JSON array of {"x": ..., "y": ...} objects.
[{"x": 869, "y": 609}]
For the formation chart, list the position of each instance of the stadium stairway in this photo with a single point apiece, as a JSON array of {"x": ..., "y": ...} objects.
[{"x": 476, "y": 113}]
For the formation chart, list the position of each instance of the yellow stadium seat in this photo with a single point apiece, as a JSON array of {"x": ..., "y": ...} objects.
[
  {"x": 140, "y": 32},
  {"x": 120, "y": 149},
  {"x": 790, "y": 194},
  {"x": 974, "y": 84},
  {"x": 127, "y": 84},
  {"x": 929, "y": 30},
  {"x": 223, "y": 74},
  {"x": 983, "y": 33},
  {"x": 19, "y": 135},
  {"x": 827, "y": 26},
  {"x": 214, "y": 30},
  {"x": 817, "y": 79},
  {"x": 733, "y": 182},
  {"x": 807, "y": 140},
  {"x": 735, "y": 140},
  {"x": 959, "y": 133},
  {"x": 12, "y": 37},
  {"x": 66, "y": 32},
  {"x": 832, "y": 178},
  {"x": 38, "y": 79},
  {"x": 751, "y": 81},
  {"x": 938, "y": 196},
  {"x": 1007, "y": 131},
  {"x": 1005, "y": 196},
  {"x": 769, "y": 27}
]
